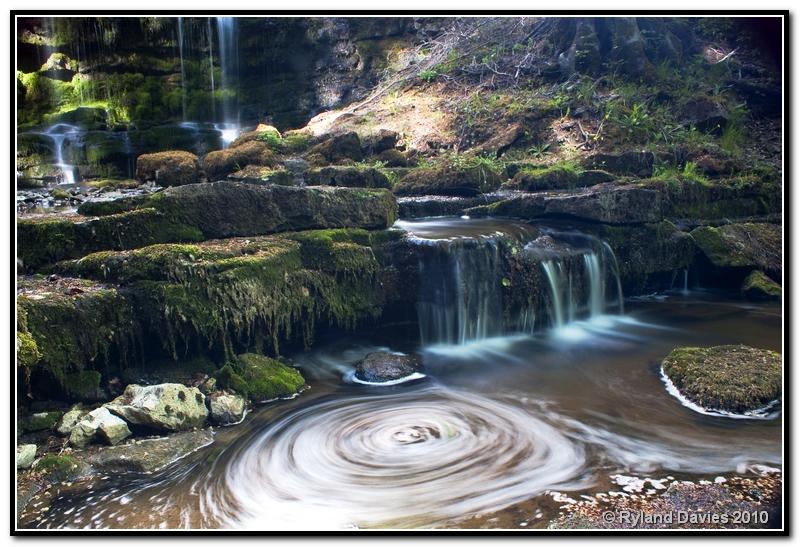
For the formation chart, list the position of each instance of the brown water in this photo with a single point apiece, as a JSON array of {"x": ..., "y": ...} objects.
[{"x": 492, "y": 424}]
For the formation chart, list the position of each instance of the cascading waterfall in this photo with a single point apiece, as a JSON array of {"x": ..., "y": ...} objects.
[
  {"x": 554, "y": 275},
  {"x": 183, "y": 68},
  {"x": 59, "y": 134},
  {"x": 210, "y": 36},
  {"x": 229, "y": 65}
]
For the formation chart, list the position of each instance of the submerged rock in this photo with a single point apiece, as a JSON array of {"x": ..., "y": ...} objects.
[
  {"x": 25, "y": 455},
  {"x": 99, "y": 424},
  {"x": 760, "y": 287},
  {"x": 172, "y": 168},
  {"x": 384, "y": 366},
  {"x": 170, "y": 407},
  {"x": 226, "y": 408},
  {"x": 734, "y": 379},
  {"x": 149, "y": 455}
]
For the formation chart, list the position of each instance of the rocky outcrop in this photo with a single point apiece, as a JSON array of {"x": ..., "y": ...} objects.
[
  {"x": 69, "y": 420},
  {"x": 382, "y": 366},
  {"x": 448, "y": 181},
  {"x": 638, "y": 164},
  {"x": 353, "y": 177},
  {"x": 629, "y": 204},
  {"x": 167, "y": 407},
  {"x": 226, "y": 408},
  {"x": 337, "y": 148},
  {"x": 556, "y": 178},
  {"x": 734, "y": 379},
  {"x": 172, "y": 168},
  {"x": 746, "y": 245},
  {"x": 99, "y": 425},
  {"x": 149, "y": 455}
]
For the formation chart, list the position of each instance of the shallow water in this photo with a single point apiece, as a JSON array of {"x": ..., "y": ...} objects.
[{"x": 493, "y": 423}]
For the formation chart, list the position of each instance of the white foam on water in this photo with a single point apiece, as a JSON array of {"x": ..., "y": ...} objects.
[{"x": 351, "y": 377}]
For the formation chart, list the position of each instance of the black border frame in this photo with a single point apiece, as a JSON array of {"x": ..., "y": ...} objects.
[{"x": 786, "y": 304}]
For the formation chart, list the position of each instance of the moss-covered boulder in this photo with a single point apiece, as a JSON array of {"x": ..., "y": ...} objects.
[
  {"x": 734, "y": 379},
  {"x": 260, "y": 378},
  {"x": 171, "y": 168},
  {"x": 168, "y": 407},
  {"x": 349, "y": 176},
  {"x": 256, "y": 174},
  {"x": 85, "y": 117},
  {"x": 758, "y": 286},
  {"x": 221, "y": 163},
  {"x": 747, "y": 245},
  {"x": 61, "y": 467},
  {"x": 448, "y": 181},
  {"x": 609, "y": 203},
  {"x": 633, "y": 163},
  {"x": 556, "y": 177},
  {"x": 720, "y": 199},
  {"x": 338, "y": 148},
  {"x": 39, "y": 421}
]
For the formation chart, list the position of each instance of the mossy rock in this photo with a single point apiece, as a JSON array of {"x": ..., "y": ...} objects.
[
  {"x": 58, "y": 468},
  {"x": 448, "y": 181},
  {"x": 85, "y": 117},
  {"x": 748, "y": 245},
  {"x": 733, "y": 378},
  {"x": 260, "y": 378},
  {"x": 349, "y": 176},
  {"x": 557, "y": 177},
  {"x": 171, "y": 168},
  {"x": 758, "y": 286},
  {"x": 221, "y": 163},
  {"x": 40, "y": 421},
  {"x": 255, "y": 174},
  {"x": 83, "y": 385},
  {"x": 338, "y": 148}
]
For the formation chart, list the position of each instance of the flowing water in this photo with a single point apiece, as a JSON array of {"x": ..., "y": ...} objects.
[
  {"x": 63, "y": 133},
  {"x": 502, "y": 415},
  {"x": 229, "y": 69}
]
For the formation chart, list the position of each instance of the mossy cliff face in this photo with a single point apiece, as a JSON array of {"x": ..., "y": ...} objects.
[
  {"x": 197, "y": 212},
  {"x": 216, "y": 298}
]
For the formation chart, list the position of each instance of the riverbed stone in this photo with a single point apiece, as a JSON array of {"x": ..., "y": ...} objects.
[
  {"x": 169, "y": 407},
  {"x": 734, "y": 378},
  {"x": 448, "y": 181},
  {"x": 384, "y": 366},
  {"x": 38, "y": 421},
  {"x": 758, "y": 286},
  {"x": 99, "y": 425},
  {"x": 149, "y": 455},
  {"x": 226, "y": 408},
  {"x": 69, "y": 420},
  {"x": 221, "y": 163},
  {"x": 25, "y": 455},
  {"x": 170, "y": 168},
  {"x": 746, "y": 245},
  {"x": 260, "y": 378}
]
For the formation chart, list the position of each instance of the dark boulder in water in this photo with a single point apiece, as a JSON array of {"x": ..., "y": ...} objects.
[{"x": 383, "y": 366}]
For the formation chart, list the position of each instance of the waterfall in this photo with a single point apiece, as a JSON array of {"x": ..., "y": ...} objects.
[
  {"x": 59, "y": 134},
  {"x": 554, "y": 275},
  {"x": 229, "y": 65},
  {"x": 460, "y": 298},
  {"x": 597, "y": 287},
  {"x": 183, "y": 68},
  {"x": 130, "y": 164},
  {"x": 686, "y": 281},
  {"x": 210, "y": 37}
]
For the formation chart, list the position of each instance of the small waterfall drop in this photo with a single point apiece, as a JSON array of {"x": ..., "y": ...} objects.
[
  {"x": 210, "y": 36},
  {"x": 183, "y": 68},
  {"x": 61, "y": 133},
  {"x": 229, "y": 65},
  {"x": 554, "y": 276}
]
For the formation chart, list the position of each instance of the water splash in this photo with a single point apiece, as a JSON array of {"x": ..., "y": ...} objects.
[{"x": 60, "y": 134}]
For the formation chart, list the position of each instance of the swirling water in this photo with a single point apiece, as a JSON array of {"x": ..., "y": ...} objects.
[{"x": 493, "y": 423}]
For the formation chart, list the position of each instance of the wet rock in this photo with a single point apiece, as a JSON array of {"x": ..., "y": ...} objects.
[
  {"x": 86, "y": 117},
  {"x": 225, "y": 408},
  {"x": 382, "y": 366},
  {"x": 337, "y": 148},
  {"x": 61, "y": 467},
  {"x": 221, "y": 163},
  {"x": 171, "y": 168},
  {"x": 69, "y": 420},
  {"x": 434, "y": 206},
  {"x": 747, "y": 245},
  {"x": 354, "y": 177},
  {"x": 170, "y": 407},
  {"x": 99, "y": 425},
  {"x": 448, "y": 181},
  {"x": 25, "y": 455},
  {"x": 149, "y": 455},
  {"x": 729, "y": 378},
  {"x": 757, "y": 286}
]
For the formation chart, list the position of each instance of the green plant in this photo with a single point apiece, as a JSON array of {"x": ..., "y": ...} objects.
[
  {"x": 428, "y": 75},
  {"x": 539, "y": 150}
]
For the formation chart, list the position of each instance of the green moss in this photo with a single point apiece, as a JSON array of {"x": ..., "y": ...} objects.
[
  {"x": 82, "y": 385},
  {"x": 741, "y": 245},
  {"x": 56, "y": 467},
  {"x": 259, "y": 378},
  {"x": 730, "y": 378},
  {"x": 758, "y": 286},
  {"x": 28, "y": 353},
  {"x": 40, "y": 421}
]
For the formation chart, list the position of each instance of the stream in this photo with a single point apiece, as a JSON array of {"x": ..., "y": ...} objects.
[{"x": 554, "y": 398}]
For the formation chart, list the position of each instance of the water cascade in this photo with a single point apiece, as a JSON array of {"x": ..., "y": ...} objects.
[
  {"x": 183, "y": 68},
  {"x": 59, "y": 134},
  {"x": 229, "y": 65},
  {"x": 210, "y": 36}
]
